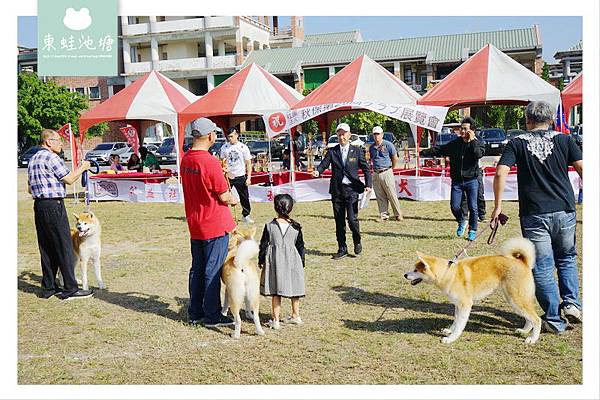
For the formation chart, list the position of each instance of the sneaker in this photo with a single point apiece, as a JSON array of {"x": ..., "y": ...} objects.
[
  {"x": 80, "y": 294},
  {"x": 293, "y": 320},
  {"x": 462, "y": 227},
  {"x": 46, "y": 294},
  {"x": 247, "y": 219},
  {"x": 195, "y": 322},
  {"x": 546, "y": 327},
  {"x": 472, "y": 235},
  {"x": 384, "y": 217},
  {"x": 481, "y": 218},
  {"x": 273, "y": 324},
  {"x": 572, "y": 313},
  {"x": 222, "y": 321}
]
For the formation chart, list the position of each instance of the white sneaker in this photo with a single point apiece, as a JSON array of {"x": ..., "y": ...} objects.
[
  {"x": 273, "y": 324},
  {"x": 292, "y": 320},
  {"x": 572, "y": 313},
  {"x": 247, "y": 219}
]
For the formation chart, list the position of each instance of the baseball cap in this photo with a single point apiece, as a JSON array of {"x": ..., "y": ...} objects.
[
  {"x": 343, "y": 126},
  {"x": 377, "y": 129},
  {"x": 203, "y": 126}
]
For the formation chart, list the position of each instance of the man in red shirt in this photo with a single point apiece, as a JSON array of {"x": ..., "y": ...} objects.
[{"x": 207, "y": 197}]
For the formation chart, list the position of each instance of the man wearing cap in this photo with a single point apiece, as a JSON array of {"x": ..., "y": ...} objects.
[
  {"x": 345, "y": 186},
  {"x": 384, "y": 157},
  {"x": 239, "y": 166},
  {"x": 207, "y": 197}
]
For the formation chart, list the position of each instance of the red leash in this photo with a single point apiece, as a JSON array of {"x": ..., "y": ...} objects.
[{"x": 500, "y": 220}]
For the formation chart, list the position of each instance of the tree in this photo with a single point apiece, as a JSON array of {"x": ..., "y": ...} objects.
[
  {"x": 546, "y": 72},
  {"x": 560, "y": 85},
  {"x": 46, "y": 105}
]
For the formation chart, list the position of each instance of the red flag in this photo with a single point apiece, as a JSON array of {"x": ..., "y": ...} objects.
[
  {"x": 74, "y": 149},
  {"x": 132, "y": 137},
  {"x": 65, "y": 132}
]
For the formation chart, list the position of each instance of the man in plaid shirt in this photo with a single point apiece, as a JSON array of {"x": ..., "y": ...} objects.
[{"x": 47, "y": 176}]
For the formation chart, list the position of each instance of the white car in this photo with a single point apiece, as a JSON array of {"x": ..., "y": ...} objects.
[
  {"x": 124, "y": 157},
  {"x": 354, "y": 141},
  {"x": 101, "y": 153}
]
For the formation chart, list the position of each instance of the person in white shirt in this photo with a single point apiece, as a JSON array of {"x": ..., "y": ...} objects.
[{"x": 239, "y": 166}]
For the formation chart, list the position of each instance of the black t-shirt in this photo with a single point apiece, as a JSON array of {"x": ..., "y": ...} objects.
[{"x": 544, "y": 187}]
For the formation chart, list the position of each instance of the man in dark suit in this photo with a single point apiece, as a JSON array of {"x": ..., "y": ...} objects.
[{"x": 345, "y": 186}]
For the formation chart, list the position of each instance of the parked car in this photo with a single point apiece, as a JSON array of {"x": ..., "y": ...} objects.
[
  {"x": 262, "y": 146},
  {"x": 495, "y": 140},
  {"x": 101, "y": 153},
  {"x": 26, "y": 156},
  {"x": 166, "y": 153},
  {"x": 577, "y": 134},
  {"x": 354, "y": 141},
  {"x": 445, "y": 138},
  {"x": 125, "y": 156},
  {"x": 215, "y": 149},
  {"x": 513, "y": 133}
]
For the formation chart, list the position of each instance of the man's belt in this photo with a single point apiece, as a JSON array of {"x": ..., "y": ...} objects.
[{"x": 382, "y": 170}]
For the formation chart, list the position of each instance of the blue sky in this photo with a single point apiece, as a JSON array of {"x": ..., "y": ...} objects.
[{"x": 558, "y": 33}]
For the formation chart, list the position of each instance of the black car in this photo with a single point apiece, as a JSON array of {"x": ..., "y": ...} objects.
[
  {"x": 166, "y": 152},
  {"x": 445, "y": 138},
  {"x": 577, "y": 134},
  {"x": 513, "y": 133},
  {"x": 215, "y": 149},
  {"x": 495, "y": 140},
  {"x": 26, "y": 156},
  {"x": 262, "y": 146}
]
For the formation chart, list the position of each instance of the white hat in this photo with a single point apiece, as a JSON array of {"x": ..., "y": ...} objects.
[
  {"x": 377, "y": 129},
  {"x": 203, "y": 126},
  {"x": 343, "y": 126}
]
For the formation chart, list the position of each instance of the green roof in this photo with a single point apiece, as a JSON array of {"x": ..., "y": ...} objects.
[
  {"x": 331, "y": 38},
  {"x": 437, "y": 49}
]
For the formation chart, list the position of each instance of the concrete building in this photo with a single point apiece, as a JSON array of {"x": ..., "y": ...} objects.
[
  {"x": 420, "y": 61},
  {"x": 570, "y": 63},
  {"x": 196, "y": 52}
]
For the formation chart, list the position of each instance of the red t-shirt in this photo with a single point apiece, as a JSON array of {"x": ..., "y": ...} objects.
[{"x": 202, "y": 179}]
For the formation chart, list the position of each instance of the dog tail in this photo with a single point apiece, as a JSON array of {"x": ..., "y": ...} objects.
[
  {"x": 521, "y": 249},
  {"x": 245, "y": 252}
]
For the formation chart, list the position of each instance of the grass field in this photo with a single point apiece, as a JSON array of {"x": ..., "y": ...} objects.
[{"x": 364, "y": 324}]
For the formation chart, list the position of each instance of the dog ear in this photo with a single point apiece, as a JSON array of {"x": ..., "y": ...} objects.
[
  {"x": 91, "y": 214},
  {"x": 76, "y": 217},
  {"x": 422, "y": 257}
]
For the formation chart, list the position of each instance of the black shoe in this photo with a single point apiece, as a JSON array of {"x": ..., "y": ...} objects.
[
  {"x": 79, "y": 294},
  {"x": 340, "y": 254},
  {"x": 481, "y": 218},
  {"x": 357, "y": 248},
  {"x": 195, "y": 322},
  {"x": 222, "y": 321},
  {"x": 46, "y": 294}
]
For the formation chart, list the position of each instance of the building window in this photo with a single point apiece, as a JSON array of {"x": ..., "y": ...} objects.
[
  {"x": 163, "y": 55},
  {"x": 94, "y": 93},
  {"x": 80, "y": 90},
  {"x": 161, "y": 19},
  {"x": 408, "y": 75}
]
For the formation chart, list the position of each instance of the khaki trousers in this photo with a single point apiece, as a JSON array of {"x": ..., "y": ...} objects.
[{"x": 384, "y": 185}]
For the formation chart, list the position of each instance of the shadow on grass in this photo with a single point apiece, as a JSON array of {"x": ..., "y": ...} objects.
[
  {"x": 359, "y": 296},
  {"x": 177, "y": 218},
  {"x": 323, "y": 216},
  {"x": 408, "y": 235},
  {"x": 429, "y": 218},
  {"x": 140, "y": 302},
  {"x": 313, "y": 252}
]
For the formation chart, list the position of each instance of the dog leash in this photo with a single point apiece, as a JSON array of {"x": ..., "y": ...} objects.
[
  {"x": 84, "y": 182},
  {"x": 500, "y": 220}
]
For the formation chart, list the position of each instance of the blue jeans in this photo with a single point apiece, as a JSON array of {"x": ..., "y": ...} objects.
[
  {"x": 553, "y": 235},
  {"x": 469, "y": 187},
  {"x": 205, "y": 278}
]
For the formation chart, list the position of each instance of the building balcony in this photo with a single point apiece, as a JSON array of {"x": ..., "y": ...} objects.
[
  {"x": 180, "y": 25},
  {"x": 181, "y": 64}
]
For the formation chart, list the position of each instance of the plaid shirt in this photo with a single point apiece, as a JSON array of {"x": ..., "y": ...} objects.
[{"x": 45, "y": 171}]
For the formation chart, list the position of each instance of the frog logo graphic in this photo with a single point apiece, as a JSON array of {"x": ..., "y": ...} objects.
[{"x": 77, "y": 20}]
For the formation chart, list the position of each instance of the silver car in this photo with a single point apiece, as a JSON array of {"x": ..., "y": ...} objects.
[{"x": 101, "y": 153}]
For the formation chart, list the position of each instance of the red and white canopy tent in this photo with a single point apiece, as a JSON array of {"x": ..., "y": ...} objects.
[
  {"x": 150, "y": 99},
  {"x": 363, "y": 85},
  {"x": 244, "y": 96},
  {"x": 572, "y": 95}
]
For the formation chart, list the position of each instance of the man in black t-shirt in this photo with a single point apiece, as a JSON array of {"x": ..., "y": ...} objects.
[{"x": 546, "y": 210}]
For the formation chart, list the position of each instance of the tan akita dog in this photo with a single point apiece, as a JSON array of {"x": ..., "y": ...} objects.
[{"x": 475, "y": 278}]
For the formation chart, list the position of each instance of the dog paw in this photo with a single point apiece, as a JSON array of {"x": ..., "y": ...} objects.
[
  {"x": 447, "y": 331},
  {"x": 530, "y": 340},
  {"x": 521, "y": 331},
  {"x": 260, "y": 332},
  {"x": 235, "y": 335},
  {"x": 448, "y": 340}
]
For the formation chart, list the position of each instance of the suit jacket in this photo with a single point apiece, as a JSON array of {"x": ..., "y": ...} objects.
[{"x": 356, "y": 160}]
